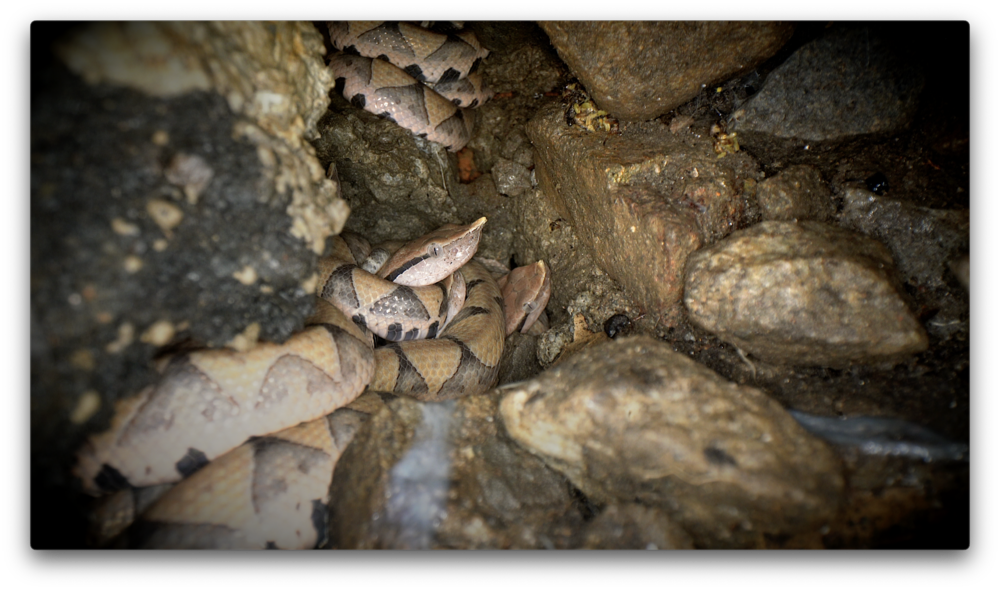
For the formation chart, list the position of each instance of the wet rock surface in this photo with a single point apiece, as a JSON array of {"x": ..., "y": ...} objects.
[{"x": 686, "y": 175}]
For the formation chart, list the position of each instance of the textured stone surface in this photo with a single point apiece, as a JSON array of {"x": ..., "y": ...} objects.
[
  {"x": 892, "y": 502},
  {"x": 173, "y": 196},
  {"x": 842, "y": 85},
  {"x": 922, "y": 240},
  {"x": 803, "y": 293},
  {"x": 640, "y": 202},
  {"x": 798, "y": 192},
  {"x": 639, "y": 70},
  {"x": 634, "y": 526},
  {"x": 512, "y": 178},
  {"x": 422, "y": 475},
  {"x": 632, "y": 420},
  {"x": 924, "y": 243}
]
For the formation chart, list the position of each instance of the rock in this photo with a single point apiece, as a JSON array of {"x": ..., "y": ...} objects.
[
  {"x": 641, "y": 201},
  {"x": 639, "y": 70},
  {"x": 923, "y": 242},
  {"x": 633, "y": 421},
  {"x": 798, "y": 192},
  {"x": 802, "y": 293},
  {"x": 634, "y": 526},
  {"x": 444, "y": 475},
  {"x": 173, "y": 196},
  {"x": 512, "y": 178},
  {"x": 845, "y": 84}
]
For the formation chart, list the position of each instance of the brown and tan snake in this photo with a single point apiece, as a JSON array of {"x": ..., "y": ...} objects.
[
  {"x": 422, "y": 80},
  {"x": 271, "y": 491}
]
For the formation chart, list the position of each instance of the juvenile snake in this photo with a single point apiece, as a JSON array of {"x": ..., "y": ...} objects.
[{"x": 271, "y": 491}]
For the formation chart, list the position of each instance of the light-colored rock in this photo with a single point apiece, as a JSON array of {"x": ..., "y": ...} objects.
[
  {"x": 632, "y": 420},
  {"x": 803, "y": 293}
]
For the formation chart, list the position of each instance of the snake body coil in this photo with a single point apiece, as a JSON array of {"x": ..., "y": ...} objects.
[
  {"x": 208, "y": 402},
  {"x": 423, "y": 81},
  {"x": 271, "y": 491}
]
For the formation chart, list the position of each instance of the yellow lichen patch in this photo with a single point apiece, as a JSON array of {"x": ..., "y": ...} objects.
[
  {"x": 86, "y": 406},
  {"x": 159, "y": 245},
  {"x": 724, "y": 143},
  {"x": 132, "y": 264},
  {"x": 126, "y": 334},
  {"x": 581, "y": 111},
  {"x": 159, "y": 333},
  {"x": 124, "y": 228},
  {"x": 247, "y": 275},
  {"x": 166, "y": 215},
  {"x": 82, "y": 359},
  {"x": 626, "y": 174},
  {"x": 246, "y": 339}
]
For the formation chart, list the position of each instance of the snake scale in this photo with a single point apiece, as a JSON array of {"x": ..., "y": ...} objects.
[
  {"x": 423, "y": 80},
  {"x": 256, "y": 434}
]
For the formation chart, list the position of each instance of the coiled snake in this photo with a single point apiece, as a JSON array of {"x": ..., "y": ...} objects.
[
  {"x": 423, "y": 80},
  {"x": 271, "y": 490}
]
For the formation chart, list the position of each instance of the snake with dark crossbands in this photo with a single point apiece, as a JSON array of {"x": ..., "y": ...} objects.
[
  {"x": 423, "y": 80},
  {"x": 255, "y": 435}
]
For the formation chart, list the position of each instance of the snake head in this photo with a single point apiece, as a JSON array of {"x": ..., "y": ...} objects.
[
  {"x": 525, "y": 292},
  {"x": 435, "y": 255}
]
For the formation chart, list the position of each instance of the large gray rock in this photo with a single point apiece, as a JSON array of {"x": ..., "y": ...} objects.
[{"x": 845, "y": 84}]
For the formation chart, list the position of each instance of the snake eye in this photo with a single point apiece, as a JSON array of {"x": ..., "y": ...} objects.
[
  {"x": 530, "y": 306},
  {"x": 435, "y": 250}
]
